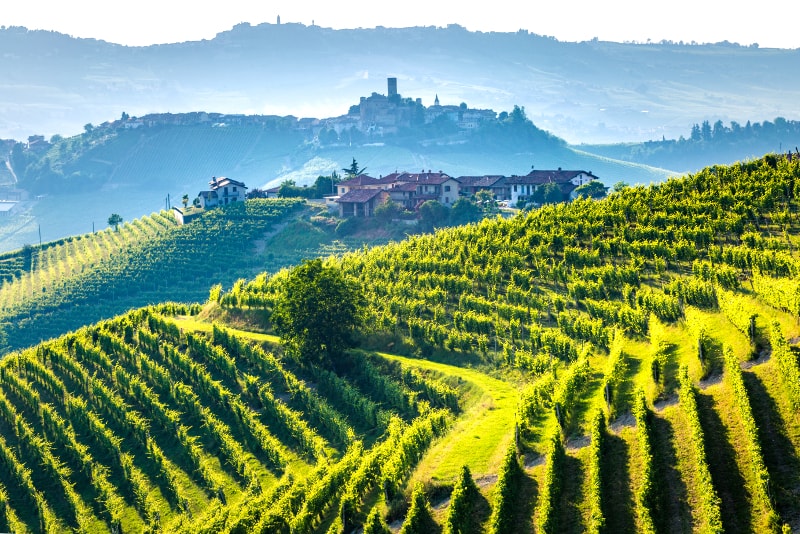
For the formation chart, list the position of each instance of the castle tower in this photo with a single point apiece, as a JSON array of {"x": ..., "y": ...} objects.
[{"x": 392, "y": 87}]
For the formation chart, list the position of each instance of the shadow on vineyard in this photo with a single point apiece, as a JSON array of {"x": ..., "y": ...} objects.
[{"x": 590, "y": 363}]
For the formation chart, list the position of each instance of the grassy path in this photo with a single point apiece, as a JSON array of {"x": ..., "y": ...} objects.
[{"x": 481, "y": 433}]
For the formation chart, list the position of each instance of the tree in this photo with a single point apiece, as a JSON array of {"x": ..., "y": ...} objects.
[
  {"x": 115, "y": 219},
  {"x": 592, "y": 189},
  {"x": 465, "y": 211},
  {"x": 326, "y": 185},
  {"x": 548, "y": 193},
  {"x": 185, "y": 200},
  {"x": 432, "y": 214},
  {"x": 485, "y": 198},
  {"x": 352, "y": 171},
  {"x": 318, "y": 312},
  {"x": 388, "y": 211}
]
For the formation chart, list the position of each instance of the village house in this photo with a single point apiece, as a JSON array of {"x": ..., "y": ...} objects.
[
  {"x": 361, "y": 202},
  {"x": 362, "y": 181},
  {"x": 470, "y": 185},
  {"x": 522, "y": 188},
  {"x": 223, "y": 191},
  {"x": 357, "y": 196}
]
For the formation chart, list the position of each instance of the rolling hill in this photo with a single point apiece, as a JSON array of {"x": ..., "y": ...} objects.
[
  {"x": 623, "y": 365},
  {"x": 76, "y": 183},
  {"x": 591, "y": 92}
]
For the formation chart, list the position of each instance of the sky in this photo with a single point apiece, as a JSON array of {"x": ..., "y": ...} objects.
[{"x": 769, "y": 23}]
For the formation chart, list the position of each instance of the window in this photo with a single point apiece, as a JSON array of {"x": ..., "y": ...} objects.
[{"x": 447, "y": 189}]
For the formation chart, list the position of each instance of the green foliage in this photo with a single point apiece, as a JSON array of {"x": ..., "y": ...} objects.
[
  {"x": 432, "y": 214},
  {"x": 375, "y": 523},
  {"x": 419, "y": 519},
  {"x": 506, "y": 493},
  {"x": 709, "y": 513},
  {"x": 760, "y": 489},
  {"x": 459, "y": 518},
  {"x": 318, "y": 312},
  {"x": 550, "y": 492},
  {"x": 593, "y": 189},
  {"x": 465, "y": 211},
  {"x": 597, "y": 429},
  {"x": 614, "y": 375},
  {"x": 646, "y": 492},
  {"x": 788, "y": 365}
]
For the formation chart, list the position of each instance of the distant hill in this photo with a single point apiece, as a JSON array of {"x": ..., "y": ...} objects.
[
  {"x": 706, "y": 144},
  {"x": 588, "y": 92},
  {"x": 76, "y": 182}
]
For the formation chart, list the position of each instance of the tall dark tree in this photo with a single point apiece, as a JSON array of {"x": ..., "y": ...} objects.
[
  {"x": 353, "y": 170},
  {"x": 318, "y": 312},
  {"x": 432, "y": 214},
  {"x": 115, "y": 219},
  {"x": 593, "y": 189}
]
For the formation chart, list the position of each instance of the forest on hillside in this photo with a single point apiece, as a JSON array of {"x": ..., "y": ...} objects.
[{"x": 707, "y": 142}]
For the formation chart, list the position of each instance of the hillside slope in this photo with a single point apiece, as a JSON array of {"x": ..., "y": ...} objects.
[
  {"x": 49, "y": 290},
  {"x": 644, "y": 339}
]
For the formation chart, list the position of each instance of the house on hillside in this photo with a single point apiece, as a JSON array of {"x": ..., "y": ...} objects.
[
  {"x": 362, "y": 181},
  {"x": 522, "y": 188},
  {"x": 422, "y": 186},
  {"x": 223, "y": 191},
  {"x": 361, "y": 202},
  {"x": 469, "y": 185}
]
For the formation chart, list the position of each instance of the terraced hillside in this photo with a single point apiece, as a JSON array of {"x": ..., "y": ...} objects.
[
  {"x": 65, "y": 284},
  {"x": 619, "y": 365}
]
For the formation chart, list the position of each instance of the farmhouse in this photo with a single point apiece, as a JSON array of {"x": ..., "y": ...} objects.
[
  {"x": 522, "y": 188},
  {"x": 361, "y": 202},
  {"x": 223, "y": 191}
]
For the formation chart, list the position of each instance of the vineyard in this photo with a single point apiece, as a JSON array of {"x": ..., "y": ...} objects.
[
  {"x": 46, "y": 291},
  {"x": 624, "y": 365}
]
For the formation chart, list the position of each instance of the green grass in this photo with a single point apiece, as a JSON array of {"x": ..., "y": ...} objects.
[{"x": 480, "y": 435}]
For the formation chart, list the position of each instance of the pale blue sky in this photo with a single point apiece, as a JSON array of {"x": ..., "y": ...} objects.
[{"x": 770, "y": 23}]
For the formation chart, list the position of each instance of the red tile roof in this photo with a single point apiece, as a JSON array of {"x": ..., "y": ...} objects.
[
  {"x": 359, "y": 196},
  {"x": 360, "y": 180}
]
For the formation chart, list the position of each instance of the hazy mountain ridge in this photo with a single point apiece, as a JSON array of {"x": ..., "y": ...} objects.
[{"x": 589, "y": 92}]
